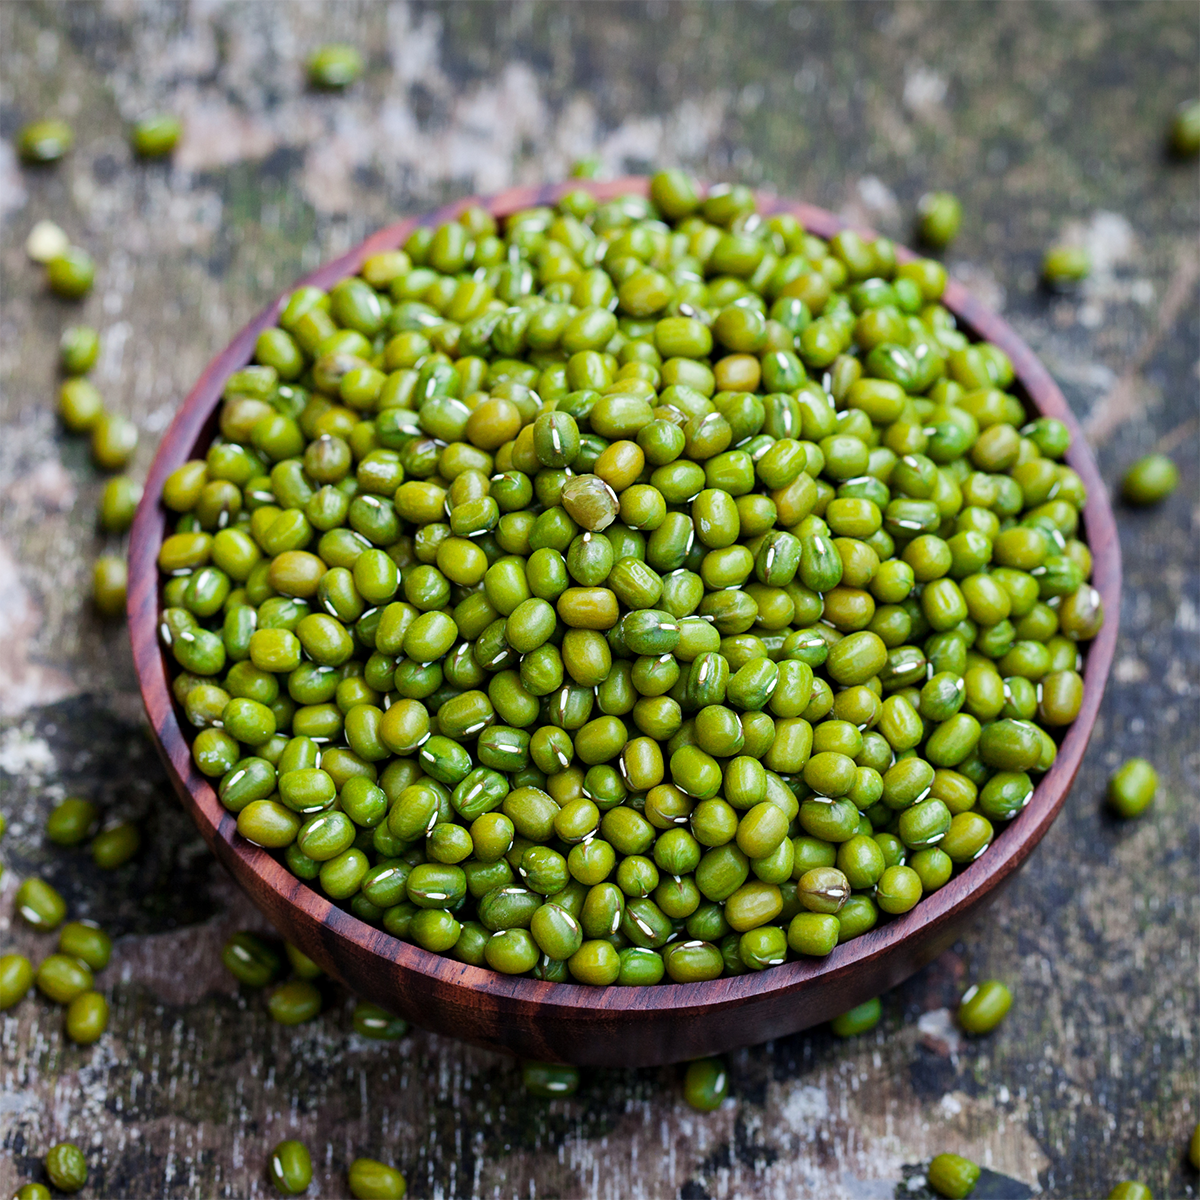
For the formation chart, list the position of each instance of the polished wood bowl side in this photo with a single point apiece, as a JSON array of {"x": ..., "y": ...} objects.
[{"x": 612, "y": 1026}]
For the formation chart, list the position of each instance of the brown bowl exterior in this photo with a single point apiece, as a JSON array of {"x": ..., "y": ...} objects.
[{"x": 613, "y": 1026}]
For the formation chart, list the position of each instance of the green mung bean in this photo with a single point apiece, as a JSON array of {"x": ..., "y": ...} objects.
[
  {"x": 939, "y": 216},
  {"x": 860, "y": 1019},
  {"x": 984, "y": 1006},
  {"x": 549, "y": 1079},
  {"x": 370, "y": 1179},
  {"x": 156, "y": 135},
  {"x": 952, "y": 1176},
  {"x": 61, "y": 978},
  {"x": 294, "y": 1002},
  {"x": 71, "y": 821},
  {"x": 16, "y": 978},
  {"x": 251, "y": 960},
  {"x": 32, "y": 1191},
  {"x": 1065, "y": 265},
  {"x": 71, "y": 274},
  {"x": 78, "y": 349},
  {"x": 1130, "y": 1189},
  {"x": 1150, "y": 480},
  {"x": 302, "y": 966},
  {"x": 66, "y": 1167},
  {"x": 1185, "y": 129},
  {"x": 118, "y": 502},
  {"x": 377, "y": 1023},
  {"x": 706, "y": 1084},
  {"x": 40, "y": 904},
  {"x": 87, "y": 1018},
  {"x": 290, "y": 1168},
  {"x": 334, "y": 66},
  {"x": 1131, "y": 790},
  {"x": 110, "y": 579},
  {"x": 115, "y": 846},
  {"x": 86, "y": 941},
  {"x": 44, "y": 141}
]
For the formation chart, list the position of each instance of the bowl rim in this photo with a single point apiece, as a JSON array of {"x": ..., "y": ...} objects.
[{"x": 937, "y": 911}]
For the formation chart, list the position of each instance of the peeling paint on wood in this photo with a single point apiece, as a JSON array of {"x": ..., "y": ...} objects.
[{"x": 1047, "y": 120}]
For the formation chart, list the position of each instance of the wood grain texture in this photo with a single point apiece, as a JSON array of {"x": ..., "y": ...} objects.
[{"x": 612, "y": 1026}]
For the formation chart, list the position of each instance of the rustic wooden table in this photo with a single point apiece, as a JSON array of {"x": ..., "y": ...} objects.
[{"x": 1047, "y": 120}]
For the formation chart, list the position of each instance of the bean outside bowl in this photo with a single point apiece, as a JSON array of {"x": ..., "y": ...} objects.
[{"x": 613, "y": 1026}]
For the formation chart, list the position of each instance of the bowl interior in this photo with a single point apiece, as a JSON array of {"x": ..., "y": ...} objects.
[{"x": 542, "y": 1019}]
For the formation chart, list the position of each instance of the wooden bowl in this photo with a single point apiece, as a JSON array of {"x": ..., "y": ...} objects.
[{"x": 614, "y": 1026}]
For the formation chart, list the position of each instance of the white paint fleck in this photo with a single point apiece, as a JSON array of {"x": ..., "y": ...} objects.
[
  {"x": 938, "y": 1031},
  {"x": 46, "y": 241},
  {"x": 12, "y": 188},
  {"x": 982, "y": 282},
  {"x": 877, "y": 198},
  {"x": 804, "y": 1107},
  {"x": 23, "y": 683},
  {"x": 1177, "y": 680},
  {"x": 1110, "y": 241},
  {"x": 1130, "y": 670},
  {"x": 21, "y": 752},
  {"x": 1095, "y": 377},
  {"x": 46, "y": 49},
  {"x": 414, "y": 44},
  {"x": 48, "y": 487},
  {"x": 112, "y": 348},
  {"x": 218, "y": 134},
  {"x": 1187, "y": 617},
  {"x": 160, "y": 418},
  {"x": 924, "y": 90}
]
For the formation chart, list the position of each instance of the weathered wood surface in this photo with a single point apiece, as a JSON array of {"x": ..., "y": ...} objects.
[{"x": 1045, "y": 119}]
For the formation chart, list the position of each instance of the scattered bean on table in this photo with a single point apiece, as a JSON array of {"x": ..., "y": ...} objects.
[
  {"x": 984, "y": 1006},
  {"x": 939, "y": 217},
  {"x": 953, "y": 1176},
  {"x": 67, "y": 1167},
  {"x": 1150, "y": 480}
]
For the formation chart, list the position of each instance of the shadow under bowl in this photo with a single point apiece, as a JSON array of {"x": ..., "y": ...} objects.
[{"x": 613, "y": 1026}]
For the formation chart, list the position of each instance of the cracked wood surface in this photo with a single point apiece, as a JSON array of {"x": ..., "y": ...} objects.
[{"x": 1047, "y": 120}]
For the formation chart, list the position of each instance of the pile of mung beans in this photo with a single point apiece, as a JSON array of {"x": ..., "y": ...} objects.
[{"x": 636, "y": 590}]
